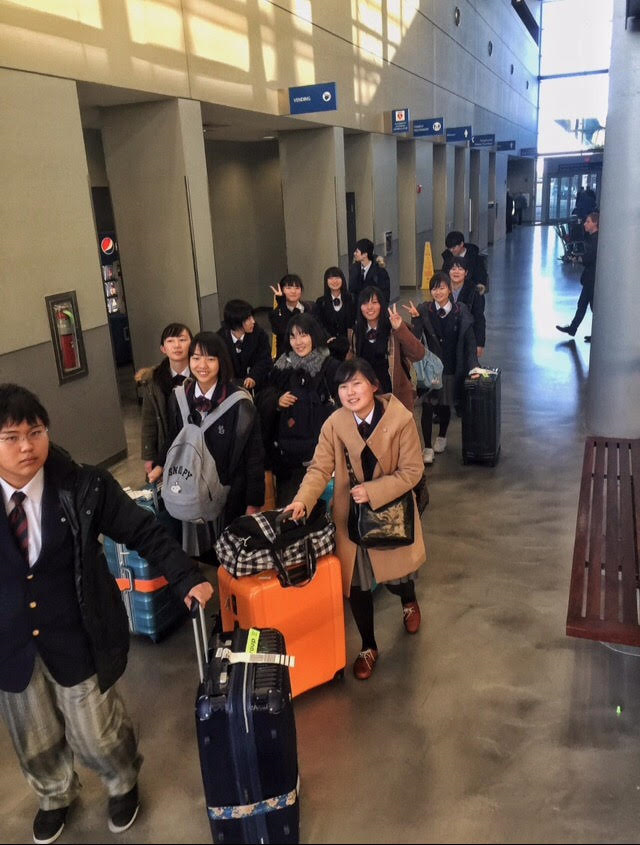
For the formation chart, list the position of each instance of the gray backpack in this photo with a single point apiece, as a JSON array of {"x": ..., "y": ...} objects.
[{"x": 191, "y": 488}]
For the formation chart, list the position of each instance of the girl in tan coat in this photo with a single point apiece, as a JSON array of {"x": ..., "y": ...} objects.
[{"x": 382, "y": 441}]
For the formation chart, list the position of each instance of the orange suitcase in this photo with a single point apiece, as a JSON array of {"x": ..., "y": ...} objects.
[{"x": 310, "y": 617}]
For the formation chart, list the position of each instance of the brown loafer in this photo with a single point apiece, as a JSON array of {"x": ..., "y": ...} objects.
[
  {"x": 411, "y": 617},
  {"x": 364, "y": 663}
]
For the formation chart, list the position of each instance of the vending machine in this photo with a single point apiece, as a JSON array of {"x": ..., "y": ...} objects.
[{"x": 114, "y": 297}]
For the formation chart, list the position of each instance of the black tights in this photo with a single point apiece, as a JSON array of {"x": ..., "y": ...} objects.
[
  {"x": 426, "y": 421},
  {"x": 361, "y": 602}
]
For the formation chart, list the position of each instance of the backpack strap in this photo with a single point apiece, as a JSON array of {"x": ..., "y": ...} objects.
[
  {"x": 181, "y": 397},
  {"x": 223, "y": 407}
]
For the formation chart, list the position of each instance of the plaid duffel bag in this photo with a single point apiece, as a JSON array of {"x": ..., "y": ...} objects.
[{"x": 270, "y": 540}]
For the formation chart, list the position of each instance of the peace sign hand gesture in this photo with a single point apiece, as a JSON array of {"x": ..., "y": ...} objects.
[
  {"x": 277, "y": 291},
  {"x": 411, "y": 308},
  {"x": 394, "y": 318}
]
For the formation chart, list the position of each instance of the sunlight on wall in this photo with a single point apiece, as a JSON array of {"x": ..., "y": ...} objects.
[
  {"x": 82, "y": 11},
  {"x": 365, "y": 85},
  {"x": 304, "y": 63},
  {"x": 157, "y": 22},
  {"x": 224, "y": 39},
  {"x": 269, "y": 54}
]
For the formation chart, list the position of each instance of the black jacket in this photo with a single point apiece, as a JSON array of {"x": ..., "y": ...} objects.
[
  {"x": 466, "y": 355},
  {"x": 94, "y": 504},
  {"x": 473, "y": 297},
  {"x": 279, "y": 318},
  {"x": 235, "y": 444},
  {"x": 336, "y": 323},
  {"x": 254, "y": 359},
  {"x": 588, "y": 277},
  {"x": 376, "y": 276},
  {"x": 475, "y": 265}
]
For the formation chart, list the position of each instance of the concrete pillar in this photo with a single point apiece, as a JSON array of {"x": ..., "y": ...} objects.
[
  {"x": 443, "y": 174},
  {"x": 408, "y": 272},
  {"x": 474, "y": 194},
  {"x": 385, "y": 203},
  {"x": 461, "y": 190},
  {"x": 491, "y": 200},
  {"x": 48, "y": 247},
  {"x": 155, "y": 161},
  {"x": 358, "y": 161},
  {"x": 313, "y": 192},
  {"x": 614, "y": 371},
  {"x": 424, "y": 201}
]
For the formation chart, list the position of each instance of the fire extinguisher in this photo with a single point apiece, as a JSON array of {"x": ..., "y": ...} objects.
[{"x": 66, "y": 334}]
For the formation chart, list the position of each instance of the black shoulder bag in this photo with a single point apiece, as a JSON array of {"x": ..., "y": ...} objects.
[{"x": 388, "y": 527}]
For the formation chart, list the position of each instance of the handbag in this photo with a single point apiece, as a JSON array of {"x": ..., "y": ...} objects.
[
  {"x": 428, "y": 369},
  {"x": 270, "y": 540},
  {"x": 387, "y": 527}
]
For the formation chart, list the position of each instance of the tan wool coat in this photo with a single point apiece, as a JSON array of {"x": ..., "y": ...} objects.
[{"x": 396, "y": 445}]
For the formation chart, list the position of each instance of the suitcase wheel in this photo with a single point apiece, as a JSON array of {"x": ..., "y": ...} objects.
[{"x": 339, "y": 675}]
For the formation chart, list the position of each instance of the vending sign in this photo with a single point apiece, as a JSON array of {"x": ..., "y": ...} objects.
[{"x": 311, "y": 98}]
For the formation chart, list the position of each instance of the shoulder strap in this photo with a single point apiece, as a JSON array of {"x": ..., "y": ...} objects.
[
  {"x": 352, "y": 476},
  {"x": 223, "y": 407},
  {"x": 181, "y": 397}
]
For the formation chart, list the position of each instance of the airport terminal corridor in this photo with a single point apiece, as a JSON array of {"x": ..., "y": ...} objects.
[{"x": 490, "y": 725}]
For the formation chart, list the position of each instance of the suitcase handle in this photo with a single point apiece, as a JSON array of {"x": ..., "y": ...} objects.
[{"x": 200, "y": 636}]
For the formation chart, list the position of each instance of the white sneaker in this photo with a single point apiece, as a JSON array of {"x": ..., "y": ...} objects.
[
  {"x": 427, "y": 455},
  {"x": 440, "y": 445}
]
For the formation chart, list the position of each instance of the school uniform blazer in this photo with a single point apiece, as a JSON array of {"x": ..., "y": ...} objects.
[{"x": 396, "y": 446}]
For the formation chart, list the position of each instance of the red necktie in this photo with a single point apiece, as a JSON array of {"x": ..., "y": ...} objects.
[{"x": 19, "y": 526}]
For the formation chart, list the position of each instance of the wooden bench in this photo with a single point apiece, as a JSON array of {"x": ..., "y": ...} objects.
[{"x": 605, "y": 580}]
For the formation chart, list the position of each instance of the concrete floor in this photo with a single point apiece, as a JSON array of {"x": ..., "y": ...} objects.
[{"x": 490, "y": 725}]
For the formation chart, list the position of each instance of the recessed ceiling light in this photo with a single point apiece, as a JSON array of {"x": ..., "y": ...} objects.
[{"x": 268, "y": 137}]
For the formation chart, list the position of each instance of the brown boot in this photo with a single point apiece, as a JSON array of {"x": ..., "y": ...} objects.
[
  {"x": 364, "y": 663},
  {"x": 411, "y": 617}
]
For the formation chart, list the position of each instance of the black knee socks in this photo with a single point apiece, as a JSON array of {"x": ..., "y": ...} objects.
[
  {"x": 406, "y": 590},
  {"x": 361, "y": 602}
]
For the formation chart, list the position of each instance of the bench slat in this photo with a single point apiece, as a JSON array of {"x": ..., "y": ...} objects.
[
  {"x": 627, "y": 556},
  {"x": 594, "y": 575},
  {"x": 607, "y": 544},
  {"x": 576, "y": 590},
  {"x": 611, "y": 539}
]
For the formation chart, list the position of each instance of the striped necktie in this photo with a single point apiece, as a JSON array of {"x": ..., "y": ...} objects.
[{"x": 18, "y": 524}]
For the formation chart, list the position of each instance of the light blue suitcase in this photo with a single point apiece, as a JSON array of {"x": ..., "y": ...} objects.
[{"x": 152, "y": 607}]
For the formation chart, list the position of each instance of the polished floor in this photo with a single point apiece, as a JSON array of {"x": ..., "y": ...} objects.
[{"x": 490, "y": 725}]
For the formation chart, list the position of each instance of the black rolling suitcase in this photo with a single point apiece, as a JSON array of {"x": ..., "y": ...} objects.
[
  {"x": 481, "y": 419},
  {"x": 247, "y": 736}
]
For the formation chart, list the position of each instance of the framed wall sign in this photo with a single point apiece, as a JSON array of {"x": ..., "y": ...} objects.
[{"x": 66, "y": 334}]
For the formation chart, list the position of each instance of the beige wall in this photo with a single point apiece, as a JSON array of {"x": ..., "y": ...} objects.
[
  {"x": 358, "y": 163},
  {"x": 247, "y": 219},
  {"x": 240, "y": 54},
  {"x": 48, "y": 236},
  {"x": 407, "y": 214}
]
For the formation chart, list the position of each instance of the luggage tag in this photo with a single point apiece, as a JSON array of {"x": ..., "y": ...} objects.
[{"x": 252, "y": 655}]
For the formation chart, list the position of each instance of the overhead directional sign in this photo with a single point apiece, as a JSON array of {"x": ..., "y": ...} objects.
[
  {"x": 501, "y": 146},
  {"x": 459, "y": 133},
  {"x": 483, "y": 140},
  {"x": 428, "y": 126},
  {"x": 400, "y": 121},
  {"x": 309, "y": 98},
  {"x": 532, "y": 152}
]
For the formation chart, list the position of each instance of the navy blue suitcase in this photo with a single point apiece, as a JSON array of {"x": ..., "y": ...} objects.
[
  {"x": 247, "y": 739},
  {"x": 152, "y": 607},
  {"x": 481, "y": 419}
]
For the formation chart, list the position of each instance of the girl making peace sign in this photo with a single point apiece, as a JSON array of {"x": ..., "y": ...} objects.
[{"x": 383, "y": 339}]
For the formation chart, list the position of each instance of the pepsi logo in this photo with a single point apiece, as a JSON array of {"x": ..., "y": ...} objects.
[{"x": 107, "y": 245}]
